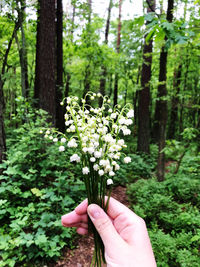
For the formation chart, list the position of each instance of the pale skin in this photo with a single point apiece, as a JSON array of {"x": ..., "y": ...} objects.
[{"x": 124, "y": 234}]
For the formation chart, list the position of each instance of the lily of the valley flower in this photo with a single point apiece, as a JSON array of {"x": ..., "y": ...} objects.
[
  {"x": 109, "y": 182},
  {"x": 85, "y": 170},
  {"x": 127, "y": 159},
  {"x": 72, "y": 143},
  {"x": 75, "y": 157},
  {"x": 61, "y": 148}
]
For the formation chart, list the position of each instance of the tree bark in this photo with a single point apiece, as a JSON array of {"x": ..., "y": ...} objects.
[
  {"x": 45, "y": 58},
  {"x": 68, "y": 75},
  {"x": 88, "y": 43},
  {"x": 102, "y": 88},
  {"x": 174, "y": 104},
  {"x": 22, "y": 49},
  {"x": 118, "y": 50},
  {"x": 186, "y": 73},
  {"x": 161, "y": 104},
  {"x": 144, "y": 94},
  {"x": 2, "y": 130},
  {"x": 59, "y": 67},
  {"x": 2, "y": 104}
]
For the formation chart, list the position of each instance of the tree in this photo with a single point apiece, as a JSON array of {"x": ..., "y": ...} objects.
[
  {"x": 161, "y": 104},
  {"x": 59, "y": 66},
  {"x": 104, "y": 71},
  {"x": 88, "y": 44},
  {"x": 173, "y": 122},
  {"x": 2, "y": 103},
  {"x": 45, "y": 58},
  {"x": 118, "y": 50},
  {"x": 144, "y": 94},
  {"x": 21, "y": 5},
  {"x": 2, "y": 130},
  {"x": 71, "y": 33}
]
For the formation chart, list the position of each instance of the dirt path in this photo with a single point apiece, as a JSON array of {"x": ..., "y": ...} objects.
[{"x": 82, "y": 255}]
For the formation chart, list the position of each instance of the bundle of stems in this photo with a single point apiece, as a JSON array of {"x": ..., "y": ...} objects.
[{"x": 96, "y": 191}]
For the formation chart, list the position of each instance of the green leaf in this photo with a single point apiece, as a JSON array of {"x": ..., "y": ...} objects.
[
  {"x": 36, "y": 192},
  {"x": 160, "y": 35},
  {"x": 150, "y": 35},
  {"x": 40, "y": 239},
  {"x": 195, "y": 238},
  {"x": 2, "y": 201}
]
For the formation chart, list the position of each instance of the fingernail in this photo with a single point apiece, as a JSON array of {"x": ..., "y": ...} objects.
[{"x": 94, "y": 211}]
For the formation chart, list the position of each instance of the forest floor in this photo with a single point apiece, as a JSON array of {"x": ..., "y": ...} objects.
[{"x": 81, "y": 256}]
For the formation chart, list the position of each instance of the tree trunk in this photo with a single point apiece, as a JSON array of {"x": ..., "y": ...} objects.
[
  {"x": 2, "y": 104},
  {"x": 108, "y": 22},
  {"x": 186, "y": 72},
  {"x": 2, "y": 130},
  {"x": 88, "y": 43},
  {"x": 102, "y": 88},
  {"x": 161, "y": 104},
  {"x": 22, "y": 49},
  {"x": 115, "y": 90},
  {"x": 45, "y": 58},
  {"x": 73, "y": 19},
  {"x": 60, "y": 124},
  {"x": 174, "y": 105},
  {"x": 144, "y": 94},
  {"x": 68, "y": 76},
  {"x": 118, "y": 50},
  {"x": 135, "y": 96},
  {"x": 110, "y": 85}
]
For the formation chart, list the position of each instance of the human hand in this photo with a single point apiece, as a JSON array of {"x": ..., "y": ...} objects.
[{"x": 123, "y": 233}]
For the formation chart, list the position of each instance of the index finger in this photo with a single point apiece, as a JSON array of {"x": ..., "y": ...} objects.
[{"x": 115, "y": 208}]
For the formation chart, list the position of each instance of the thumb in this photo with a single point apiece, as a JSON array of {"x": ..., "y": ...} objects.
[{"x": 103, "y": 225}]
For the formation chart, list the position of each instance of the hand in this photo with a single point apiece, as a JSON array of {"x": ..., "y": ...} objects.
[{"x": 124, "y": 234}]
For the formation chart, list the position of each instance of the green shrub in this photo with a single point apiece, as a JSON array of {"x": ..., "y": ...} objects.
[
  {"x": 140, "y": 166},
  {"x": 37, "y": 187},
  {"x": 170, "y": 209},
  {"x": 174, "y": 251},
  {"x": 183, "y": 188}
]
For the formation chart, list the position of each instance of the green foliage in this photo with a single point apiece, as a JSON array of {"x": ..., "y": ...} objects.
[
  {"x": 36, "y": 189},
  {"x": 171, "y": 211},
  {"x": 140, "y": 166},
  {"x": 176, "y": 32}
]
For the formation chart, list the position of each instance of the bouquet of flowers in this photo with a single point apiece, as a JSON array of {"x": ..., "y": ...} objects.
[{"x": 95, "y": 134}]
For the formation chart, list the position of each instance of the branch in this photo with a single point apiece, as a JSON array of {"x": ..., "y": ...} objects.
[
  {"x": 180, "y": 159},
  {"x": 152, "y": 7},
  {"x": 17, "y": 25}
]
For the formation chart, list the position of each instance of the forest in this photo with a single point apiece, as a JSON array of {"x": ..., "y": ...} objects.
[{"x": 150, "y": 59}]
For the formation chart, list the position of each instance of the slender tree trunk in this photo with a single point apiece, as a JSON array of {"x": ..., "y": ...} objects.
[
  {"x": 161, "y": 104},
  {"x": 2, "y": 104},
  {"x": 118, "y": 50},
  {"x": 45, "y": 58},
  {"x": 126, "y": 91},
  {"x": 68, "y": 75},
  {"x": 60, "y": 124},
  {"x": 73, "y": 19},
  {"x": 135, "y": 95},
  {"x": 22, "y": 49},
  {"x": 88, "y": 43},
  {"x": 2, "y": 131},
  {"x": 174, "y": 105},
  {"x": 110, "y": 85},
  {"x": 144, "y": 94},
  {"x": 102, "y": 88},
  {"x": 115, "y": 90},
  {"x": 187, "y": 64},
  {"x": 108, "y": 22}
]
